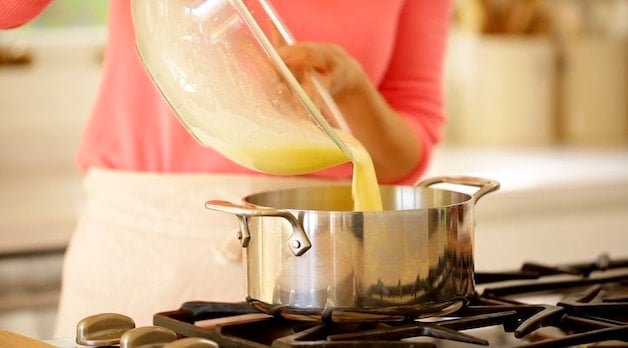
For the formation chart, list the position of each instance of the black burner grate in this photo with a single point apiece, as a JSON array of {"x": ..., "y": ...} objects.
[{"x": 592, "y": 307}]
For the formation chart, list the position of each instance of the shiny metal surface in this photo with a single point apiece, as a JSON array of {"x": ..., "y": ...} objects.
[
  {"x": 147, "y": 337},
  {"x": 103, "y": 329},
  {"x": 414, "y": 257}
]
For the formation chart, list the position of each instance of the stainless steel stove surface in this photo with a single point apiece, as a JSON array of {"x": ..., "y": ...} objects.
[
  {"x": 536, "y": 306},
  {"x": 570, "y": 305}
]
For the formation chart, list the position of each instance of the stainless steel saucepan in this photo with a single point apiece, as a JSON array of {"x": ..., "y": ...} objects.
[{"x": 311, "y": 257}]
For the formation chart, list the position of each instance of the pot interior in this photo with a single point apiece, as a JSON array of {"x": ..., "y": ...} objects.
[{"x": 338, "y": 198}]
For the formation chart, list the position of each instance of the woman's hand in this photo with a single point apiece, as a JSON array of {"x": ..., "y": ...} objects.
[
  {"x": 385, "y": 134},
  {"x": 337, "y": 71}
]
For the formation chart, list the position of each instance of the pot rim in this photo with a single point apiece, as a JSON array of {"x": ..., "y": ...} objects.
[{"x": 249, "y": 200}]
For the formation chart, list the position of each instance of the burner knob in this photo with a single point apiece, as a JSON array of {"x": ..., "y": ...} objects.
[
  {"x": 147, "y": 336},
  {"x": 192, "y": 342},
  {"x": 103, "y": 329}
]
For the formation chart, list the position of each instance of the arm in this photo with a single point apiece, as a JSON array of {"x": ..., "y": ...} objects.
[
  {"x": 14, "y": 13},
  {"x": 413, "y": 83},
  {"x": 400, "y": 121}
]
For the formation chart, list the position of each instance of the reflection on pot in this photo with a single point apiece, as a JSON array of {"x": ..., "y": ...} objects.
[{"x": 420, "y": 267}]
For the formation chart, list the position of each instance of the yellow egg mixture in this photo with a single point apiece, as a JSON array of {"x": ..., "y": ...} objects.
[{"x": 299, "y": 158}]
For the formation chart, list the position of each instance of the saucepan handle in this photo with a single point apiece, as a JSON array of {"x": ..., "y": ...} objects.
[
  {"x": 485, "y": 185},
  {"x": 298, "y": 242}
]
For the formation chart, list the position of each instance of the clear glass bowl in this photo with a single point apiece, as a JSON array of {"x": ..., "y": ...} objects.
[{"x": 214, "y": 63}]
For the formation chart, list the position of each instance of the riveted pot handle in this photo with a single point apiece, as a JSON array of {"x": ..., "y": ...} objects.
[
  {"x": 485, "y": 185},
  {"x": 298, "y": 242}
]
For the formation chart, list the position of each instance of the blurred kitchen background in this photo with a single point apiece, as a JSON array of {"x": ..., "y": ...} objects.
[{"x": 536, "y": 98}]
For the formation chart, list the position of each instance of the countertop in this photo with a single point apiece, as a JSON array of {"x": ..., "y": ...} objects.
[
  {"x": 532, "y": 168},
  {"x": 555, "y": 204},
  {"x": 540, "y": 178}
]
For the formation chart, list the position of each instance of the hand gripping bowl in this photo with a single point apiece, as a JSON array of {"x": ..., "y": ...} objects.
[
  {"x": 215, "y": 64},
  {"x": 310, "y": 257}
]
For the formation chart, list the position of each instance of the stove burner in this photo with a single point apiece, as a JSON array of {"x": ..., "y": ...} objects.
[
  {"x": 591, "y": 306},
  {"x": 272, "y": 331},
  {"x": 336, "y": 315}
]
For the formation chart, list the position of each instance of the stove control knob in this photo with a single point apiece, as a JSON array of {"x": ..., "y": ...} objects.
[
  {"x": 192, "y": 342},
  {"x": 147, "y": 337},
  {"x": 102, "y": 330}
]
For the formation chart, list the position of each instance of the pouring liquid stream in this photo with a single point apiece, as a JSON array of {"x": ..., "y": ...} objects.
[{"x": 364, "y": 186}]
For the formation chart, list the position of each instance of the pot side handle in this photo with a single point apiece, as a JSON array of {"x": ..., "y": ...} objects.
[
  {"x": 485, "y": 185},
  {"x": 298, "y": 242}
]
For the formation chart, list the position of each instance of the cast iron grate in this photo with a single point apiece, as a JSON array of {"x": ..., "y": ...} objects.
[{"x": 593, "y": 307}]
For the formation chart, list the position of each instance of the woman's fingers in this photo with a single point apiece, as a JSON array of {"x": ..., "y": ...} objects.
[
  {"x": 305, "y": 55},
  {"x": 335, "y": 68}
]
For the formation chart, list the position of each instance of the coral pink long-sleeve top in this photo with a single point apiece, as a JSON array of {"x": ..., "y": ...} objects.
[{"x": 400, "y": 44}]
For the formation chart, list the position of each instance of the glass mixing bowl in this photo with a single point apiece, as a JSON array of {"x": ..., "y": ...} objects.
[{"x": 215, "y": 64}]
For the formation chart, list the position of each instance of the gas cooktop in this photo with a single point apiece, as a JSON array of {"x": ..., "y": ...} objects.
[{"x": 538, "y": 305}]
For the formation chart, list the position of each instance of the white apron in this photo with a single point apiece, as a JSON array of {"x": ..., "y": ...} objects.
[{"x": 145, "y": 244}]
